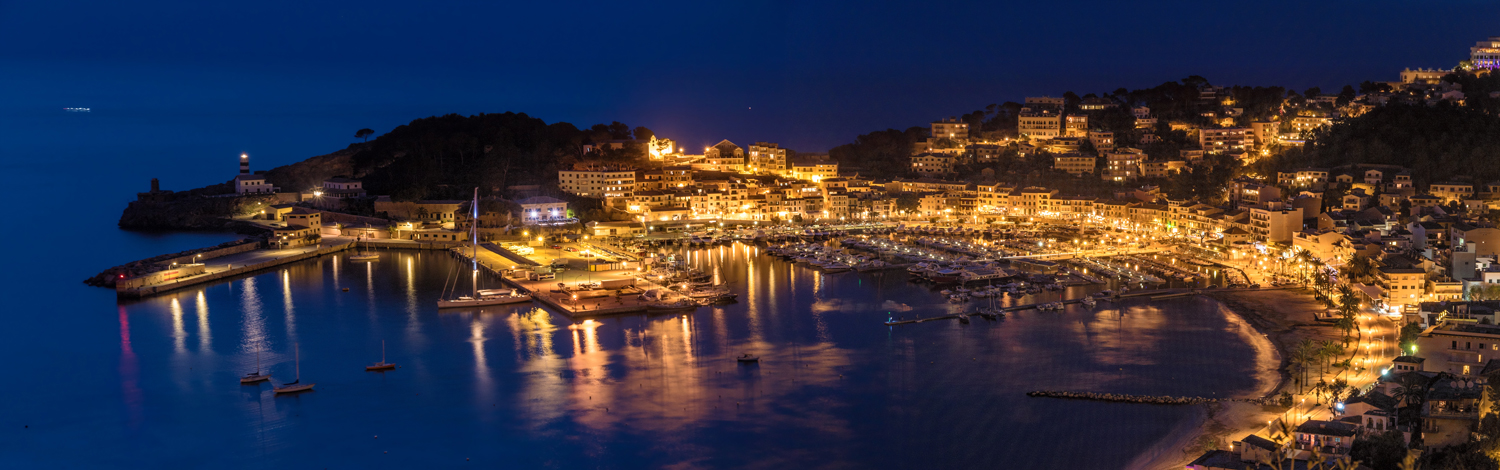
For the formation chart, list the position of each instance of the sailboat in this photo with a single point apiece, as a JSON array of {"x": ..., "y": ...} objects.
[
  {"x": 363, "y": 255},
  {"x": 382, "y": 365},
  {"x": 479, "y": 298},
  {"x": 255, "y": 377},
  {"x": 295, "y": 385}
]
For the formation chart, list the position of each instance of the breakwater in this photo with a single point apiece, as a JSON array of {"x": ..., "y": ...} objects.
[{"x": 1143, "y": 399}]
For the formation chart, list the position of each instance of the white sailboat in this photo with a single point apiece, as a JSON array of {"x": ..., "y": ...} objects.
[
  {"x": 255, "y": 377},
  {"x": 363, "y": 255},
  {"x": 480, "y": 298},
  {"x": 296, "y": 385},
  {"x": 382, "y": 365}
]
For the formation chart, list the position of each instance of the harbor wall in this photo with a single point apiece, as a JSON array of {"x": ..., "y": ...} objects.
[
  {"x": 207, "y": 255},
  {"x": 139, "y": 292}
]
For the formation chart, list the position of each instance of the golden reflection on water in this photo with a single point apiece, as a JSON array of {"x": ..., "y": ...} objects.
[
  {"x": 179, "y": 335},
  {"x": 204, "y": 337},
  {"x": 657, "y": 381}
]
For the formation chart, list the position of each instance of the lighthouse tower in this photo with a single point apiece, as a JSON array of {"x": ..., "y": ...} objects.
[{"x": 249, "y": 183}]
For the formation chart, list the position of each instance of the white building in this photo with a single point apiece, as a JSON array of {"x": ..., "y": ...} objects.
[
  {"x": 543, "y": 209},
  {"x": 250, "y": 183}
]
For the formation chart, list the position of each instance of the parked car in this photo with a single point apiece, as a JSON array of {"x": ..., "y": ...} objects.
[
  {"x": 570, "y": 249},
  {"x": 557, "y": 247}
]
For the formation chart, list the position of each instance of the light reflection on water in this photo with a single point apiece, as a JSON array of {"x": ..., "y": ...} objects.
[{"x": 530, "y": 387}]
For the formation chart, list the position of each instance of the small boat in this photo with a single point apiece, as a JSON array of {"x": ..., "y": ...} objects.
[
  {"x": 964, "y": 319},
  {"x": 363, "y": 255},
  {"x": 679, "y": 305},
  {"x": 295, "y": 385},
  {"x": 748, "y": 358},
  {"x": 382, "y": 365},
  {"x": 255, "y": 377}
]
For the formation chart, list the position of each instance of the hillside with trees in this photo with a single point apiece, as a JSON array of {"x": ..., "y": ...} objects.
[{"x": 1439, "y": 143}]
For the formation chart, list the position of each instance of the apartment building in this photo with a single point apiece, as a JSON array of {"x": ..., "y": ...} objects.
[
  {"x": 1039, "y": 124},
  {"x": 1102, "y": 141},
  {"x": 1486, "y": 54},
  {"x": 1075, "y": 164},
  {"x": 1076, "y": 125},
  {"x": 597, "y": 180},
  {"x": 950, "y": 128},
  {"x": 814, "y": 170},
  {"x": 1122, "y": 164},
  {"x": 1275, "y": 225},
  {"x": 932, "y": 163},
  {"x": 1161, "y": 168},
  {"x": 1226, "y": 140},
  {"x": 767, "y": 157},
  {"x": 1450, "y": 192},
  {"x": 725, "y": 156}
]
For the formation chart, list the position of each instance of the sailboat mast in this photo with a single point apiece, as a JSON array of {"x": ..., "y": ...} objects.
[
  {"x": 473, "y": 241},
  {"x": 298, "y": 349}
]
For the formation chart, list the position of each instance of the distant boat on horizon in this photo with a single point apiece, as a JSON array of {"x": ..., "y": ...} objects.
[{"x": 78, "y": 110}]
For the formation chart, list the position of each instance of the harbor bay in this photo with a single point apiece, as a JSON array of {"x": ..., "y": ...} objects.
[{"x": 527, "y": 385}]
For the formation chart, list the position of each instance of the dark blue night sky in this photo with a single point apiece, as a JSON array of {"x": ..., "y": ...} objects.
[{"x": 810, "y": 75}]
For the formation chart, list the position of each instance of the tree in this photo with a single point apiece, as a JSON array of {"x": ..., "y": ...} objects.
[
  {"x": 1330, "y": 350},
  {"x": 1381, "y": 451},
  {"x": 642, "y": 133},
  {"x": 1360, "y": 268},
  {"x": 1346, "y": 96},
  {"x": 1409, "y": 334},
  {"x": 1307, "y": 352},
  {"x": 364, "y": 134},
  {"x": 1348, "y": 308}
]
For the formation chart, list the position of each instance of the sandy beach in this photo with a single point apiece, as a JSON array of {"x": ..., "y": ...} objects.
[{"x": 1282, "y": 318}]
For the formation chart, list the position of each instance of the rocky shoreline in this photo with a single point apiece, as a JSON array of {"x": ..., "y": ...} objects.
[{"x": 1144, "y": 399}]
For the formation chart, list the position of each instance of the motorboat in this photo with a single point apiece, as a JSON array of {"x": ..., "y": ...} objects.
[{"x": 747, "y": 358}]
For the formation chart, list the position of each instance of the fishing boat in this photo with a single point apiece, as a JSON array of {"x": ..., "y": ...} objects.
[
  {"x": 255, "y": 377},
  {"x": 382, "y": 365},
  {"x": 478, "y": 297},
  {"x": 295, "y": 385},
  {"x": 363, "y": 255}
]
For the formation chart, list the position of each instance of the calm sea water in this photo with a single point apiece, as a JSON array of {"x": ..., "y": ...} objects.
[{"x": 96, "y": 383}]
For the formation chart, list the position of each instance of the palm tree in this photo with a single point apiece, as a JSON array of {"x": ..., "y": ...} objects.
[
  {"x": 1308, "y": 261},
  {"x": 1307, "y": 351},
  {"x": 1331, "y": 350},
  {"x": 1411, "y": 389}
]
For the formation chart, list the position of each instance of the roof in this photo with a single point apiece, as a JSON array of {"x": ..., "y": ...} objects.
[
  {"x": 245, "y": 177},
  {"x": 340, "y": 179},
  {"x": 540, "y": 200},
  {"x": 1410, "y": 359},
  {"x": 1327, "y": 428},
  {"x": 1218, "y": 459},
  {"x": 1257, "y": 441}
]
